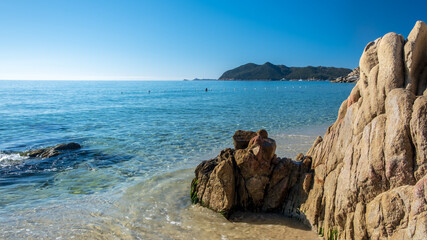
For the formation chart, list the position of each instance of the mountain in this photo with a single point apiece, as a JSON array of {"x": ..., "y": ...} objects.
[{"x": 272, "y": 72}]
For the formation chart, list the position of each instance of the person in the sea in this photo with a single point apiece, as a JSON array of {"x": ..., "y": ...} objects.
[{"x": 206, "y": 89}]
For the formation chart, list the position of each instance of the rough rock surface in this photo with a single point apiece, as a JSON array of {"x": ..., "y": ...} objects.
[
  {"x": 51, "y": 151},
  {"x": 352, "y": 77},
  {"x": 251, "y": 179},
  {"x": 241, "y": 139},
  {"x": 370, "y": 167},
  {"x": 366, "y": 178}
]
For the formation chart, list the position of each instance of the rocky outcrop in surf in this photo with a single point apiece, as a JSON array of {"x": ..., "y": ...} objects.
[
  {"x": 49, "y": 152},
  {"x": 366, "y": 178},
  {"x": 352, "y": 77}
]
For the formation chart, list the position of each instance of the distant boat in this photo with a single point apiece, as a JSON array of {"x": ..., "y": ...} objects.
[{"x": 300, "y": 80}]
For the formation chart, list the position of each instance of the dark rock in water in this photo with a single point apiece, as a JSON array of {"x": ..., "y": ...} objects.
[
  {"x": 67, "y": 146},
  {"x": 51, "y": 151},
  {"x": 252, "y": 179},
  {"x": 42, "y": 153}
]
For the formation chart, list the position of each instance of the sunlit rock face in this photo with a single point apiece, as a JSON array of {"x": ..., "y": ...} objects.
[
  {"x": 251, "y": 177},
  {"x": 370, "y": 167}
]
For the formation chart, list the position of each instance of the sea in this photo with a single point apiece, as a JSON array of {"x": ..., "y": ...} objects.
[{"x": 141, "y": 141}]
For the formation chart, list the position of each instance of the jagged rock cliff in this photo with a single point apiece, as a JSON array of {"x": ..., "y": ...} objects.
[
  {"x": 365, "y": 179},
  {"x": 370, "y": 168}
]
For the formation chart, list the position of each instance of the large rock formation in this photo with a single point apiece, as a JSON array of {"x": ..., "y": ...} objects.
[
  {"x": 370, "y": 167},
  {"x": 366, "y": 178},
  {"x": 251, "y": 177}
]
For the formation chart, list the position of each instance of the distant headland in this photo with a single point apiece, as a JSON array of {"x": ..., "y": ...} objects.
[{"x": 271, "y": 72}]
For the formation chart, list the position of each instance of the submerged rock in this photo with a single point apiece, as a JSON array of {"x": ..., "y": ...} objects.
[{"x": 51, "y": 151}]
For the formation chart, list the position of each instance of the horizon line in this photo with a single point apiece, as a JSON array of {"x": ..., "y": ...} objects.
[{"x": 99, "y": 80}]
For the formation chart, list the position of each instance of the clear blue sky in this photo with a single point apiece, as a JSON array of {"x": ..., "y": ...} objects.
[{"x": 176, "y": 39}]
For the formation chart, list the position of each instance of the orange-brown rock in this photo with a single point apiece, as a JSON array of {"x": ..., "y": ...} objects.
[
  {"x": 250, "y": 179},
  {"x": 370, "y": 167}
]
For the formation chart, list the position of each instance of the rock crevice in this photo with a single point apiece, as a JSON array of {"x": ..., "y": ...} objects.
[{"x": 379, "y": 142}]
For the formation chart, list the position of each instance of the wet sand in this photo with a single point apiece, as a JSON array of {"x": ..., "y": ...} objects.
[{"x": 160, "y": 209}]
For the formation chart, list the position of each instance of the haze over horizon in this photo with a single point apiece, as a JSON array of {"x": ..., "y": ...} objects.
[{"x": 173, "y": 40}]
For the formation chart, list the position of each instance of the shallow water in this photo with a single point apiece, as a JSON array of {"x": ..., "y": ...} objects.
[{"x": 131, "y": 178}]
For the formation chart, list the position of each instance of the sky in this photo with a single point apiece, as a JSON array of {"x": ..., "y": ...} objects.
[{"x": 178, "y": 39}]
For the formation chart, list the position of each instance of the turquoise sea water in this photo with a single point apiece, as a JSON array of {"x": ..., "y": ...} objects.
[{"x": 141, "y": 141}]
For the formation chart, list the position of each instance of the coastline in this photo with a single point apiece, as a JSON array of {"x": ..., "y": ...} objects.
[
  {"x": 126, "y": 120},
  {"x": 111, "y": 188},
  {"x": 157, "y": 206}
]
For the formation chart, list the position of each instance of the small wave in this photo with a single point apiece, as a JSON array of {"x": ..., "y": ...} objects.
[{"x": 11, "y": 159}]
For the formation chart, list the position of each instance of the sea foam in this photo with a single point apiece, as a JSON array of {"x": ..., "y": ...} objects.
[{"x": 7, "y": 160}]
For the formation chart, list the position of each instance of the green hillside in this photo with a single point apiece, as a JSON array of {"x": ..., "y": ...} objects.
[{"x": 272, "y": 72}]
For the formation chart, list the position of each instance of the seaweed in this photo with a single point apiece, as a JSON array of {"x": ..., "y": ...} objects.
[
  {"x": 321, "y": 232},
  {"x": 333, "y": 234},
  {"x": 193, "y": 192}
]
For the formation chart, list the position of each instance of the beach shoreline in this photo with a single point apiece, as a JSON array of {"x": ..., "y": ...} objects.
[
  {"x": 123, "y": 151},
  {"x": 183, "y": 220}
]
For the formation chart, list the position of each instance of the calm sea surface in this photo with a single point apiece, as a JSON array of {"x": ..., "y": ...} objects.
[{"x": 141, "y": 142}]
